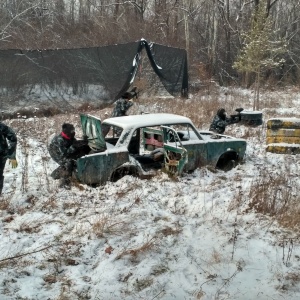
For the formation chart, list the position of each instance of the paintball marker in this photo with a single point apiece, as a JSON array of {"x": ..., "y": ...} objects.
[
  {"x": 81, "y": 143},
  {"x": 237, "y": 117},
  {"x": 133, "y": 93}
]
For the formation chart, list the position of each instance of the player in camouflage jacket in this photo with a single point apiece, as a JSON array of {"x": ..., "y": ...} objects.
[
  {"x": 220, "y": 121},
  {"x": 65, "y": 149},
  {"x": 121, "y": 107},
  {"x": 8, "y": 146}
]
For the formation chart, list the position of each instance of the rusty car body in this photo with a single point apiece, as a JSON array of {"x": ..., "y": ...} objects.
[{"x": 140, "y": 145}]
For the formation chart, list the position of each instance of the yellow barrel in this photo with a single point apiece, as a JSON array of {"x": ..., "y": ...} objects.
[
  {"x": 283, "y": 135},
  {"x": 293, "y": 123},
  {"x": 283, "y": 132},
  {"x": 283, "y": 139},
  {"x": 283, "y": 149}
]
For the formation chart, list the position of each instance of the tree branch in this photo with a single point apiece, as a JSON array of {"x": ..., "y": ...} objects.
[{"x": 27, "y": 253}]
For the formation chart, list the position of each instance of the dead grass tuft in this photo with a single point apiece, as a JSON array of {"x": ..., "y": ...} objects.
[
  {"x": 29, "y": 227},
  {"x": 215, "y": 257},
  {"x": 4, "y": 203},
  {"x": 141, "y": 284},
  {"x": 104, "y": 225},
  {"x": 170, "y": 231},
  {"x": 149, "y": 244},
  {"x": 275, "y": 195},
  {"x": 50, "y": 279},
  {"x": 50, "y": 203},
  {"x": 293, "y": 277}
]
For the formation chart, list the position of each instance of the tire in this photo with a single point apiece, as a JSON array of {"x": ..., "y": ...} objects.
[
  {"x": 123, "y": 171},
  {"x": 227, "y": 161},
  {"x": 231, "y": 164}
]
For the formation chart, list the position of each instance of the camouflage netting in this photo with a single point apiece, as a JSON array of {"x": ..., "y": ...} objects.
[{"x": 113, "y": 68}]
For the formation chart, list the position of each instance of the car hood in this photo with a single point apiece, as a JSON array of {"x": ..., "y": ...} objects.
[{"x": 91, "y": 127}]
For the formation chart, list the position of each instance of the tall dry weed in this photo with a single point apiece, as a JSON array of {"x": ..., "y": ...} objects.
[{"x": 275, "y": 195}]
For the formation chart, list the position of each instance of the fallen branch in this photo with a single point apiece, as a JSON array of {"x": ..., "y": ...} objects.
[{"x": 28, "y": 253}]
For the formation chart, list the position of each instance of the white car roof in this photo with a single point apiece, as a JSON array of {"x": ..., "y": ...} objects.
[{"x": 147, "y": 120}]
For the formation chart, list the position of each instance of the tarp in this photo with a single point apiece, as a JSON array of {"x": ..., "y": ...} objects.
[{"x": 113, "y": 67}]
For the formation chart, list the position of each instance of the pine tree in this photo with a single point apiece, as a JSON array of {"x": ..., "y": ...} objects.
[{"x": 260, "y": 52}]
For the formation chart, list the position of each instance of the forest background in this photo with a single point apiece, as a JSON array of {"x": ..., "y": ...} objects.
[{"x": 213, "y": 32}]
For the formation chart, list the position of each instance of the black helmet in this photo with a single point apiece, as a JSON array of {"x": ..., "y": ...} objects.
[
  {"x": 68, "y": 129},
  {"x": 126, "y": 95},
  {"x": 221, "y": 113}
]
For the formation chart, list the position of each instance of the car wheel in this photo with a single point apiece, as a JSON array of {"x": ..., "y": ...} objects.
[
  {"x": 227, "y": 161},
  {"x": 123, "y": 171},
  {"x": 229, "y": 165}
]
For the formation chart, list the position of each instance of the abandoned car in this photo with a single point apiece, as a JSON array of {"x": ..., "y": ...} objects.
[{"x": 140, "y": 145}]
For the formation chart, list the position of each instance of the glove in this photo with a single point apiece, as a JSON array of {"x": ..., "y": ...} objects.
[{"x": 14, "y": 163}]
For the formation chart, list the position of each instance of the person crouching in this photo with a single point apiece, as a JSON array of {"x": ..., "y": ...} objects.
[
  {"x": 220, "y": 120},
  {"x": 65, "y": 149}
]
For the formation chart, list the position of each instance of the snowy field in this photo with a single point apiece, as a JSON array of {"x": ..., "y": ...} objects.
[{"x": 206, "y": 235}]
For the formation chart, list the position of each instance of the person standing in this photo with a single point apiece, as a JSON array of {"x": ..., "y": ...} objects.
[
  {"x": 121, "y": 107},
  {"x": 8, "y": 146}
]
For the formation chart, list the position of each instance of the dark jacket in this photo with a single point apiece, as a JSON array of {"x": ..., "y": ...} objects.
[
  {"x": 8, "y": 142},
  {"x": 61, "y": 149},
  {"x": 219, "y": 124},
  {"x": 121, "y": 107}
]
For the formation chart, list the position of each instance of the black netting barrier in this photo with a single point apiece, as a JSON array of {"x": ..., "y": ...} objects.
[
  {"x": 170, "y": 64},
  {"x": 111, "y": 67}
]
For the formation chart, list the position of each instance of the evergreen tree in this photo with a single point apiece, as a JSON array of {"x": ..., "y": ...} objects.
[{"x": 260, "y": 52}]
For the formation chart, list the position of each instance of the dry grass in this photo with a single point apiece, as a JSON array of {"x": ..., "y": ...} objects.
[
  {"x": 170, "y": 231},
  {"x": 216, "y": 257},
  {"x": 50, "y": 204},
  {"x": 29, "y": 227},
  {"x": 4, "y": 203},
  {"x": 275, "y": 195},
  {"x": 203, "y": 105},
  {"x": 104, "y": 225},
  {"x": 134, "y": 252}
]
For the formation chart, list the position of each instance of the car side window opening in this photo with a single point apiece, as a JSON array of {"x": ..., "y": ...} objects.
[
  {"x": 113, "y": 134},
  {"x": 146, "y": 146},
  {"x": 147, "y": 143},
  {"x": 185, "y": 132}
]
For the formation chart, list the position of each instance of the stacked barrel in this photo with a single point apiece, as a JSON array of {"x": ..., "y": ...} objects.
[{"x": 283, "y": 135}]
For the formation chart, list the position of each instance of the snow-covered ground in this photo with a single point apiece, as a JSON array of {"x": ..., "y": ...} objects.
[{"x": 196, "y": 237}]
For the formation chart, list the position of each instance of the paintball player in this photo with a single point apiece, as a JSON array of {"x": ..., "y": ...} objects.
[
  {"x": 121, "y": 107},
  {"x": 8, "y": 145},
  {"x": 220, "y": 120},
  {"x": 65, "y": 149},
  {"x": 124, "y": 103}
]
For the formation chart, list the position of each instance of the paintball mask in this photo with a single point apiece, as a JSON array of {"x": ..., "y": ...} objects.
[{"x": 69, "y": 130}]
